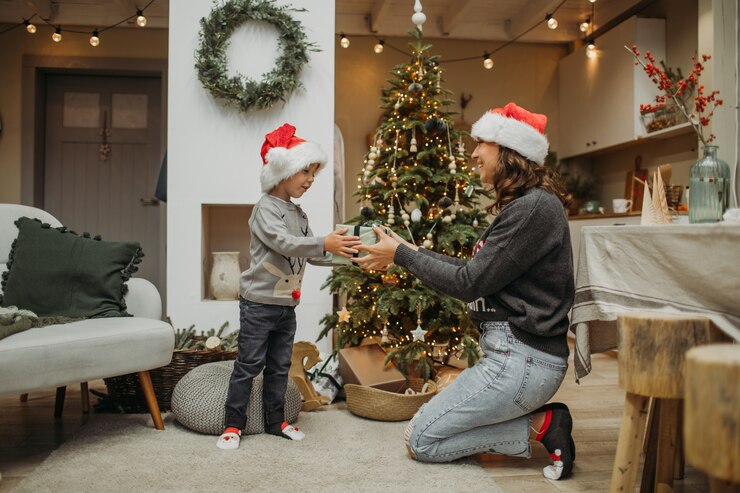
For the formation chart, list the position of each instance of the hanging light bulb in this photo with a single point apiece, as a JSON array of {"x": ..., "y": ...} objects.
[
  {"x": 378, "y": 48},
  {"x": 343, "y": 41},
  {"x": 591, "y": 49},
  {"x": 94, "y": 39},
  {"x": 592, "y": 1},
  {"x": 487, "y": 62},
  {"x": 140, "y": 19},
  {"x": 552, "y": 22},
  {"x": 583, "y": 26},
  {"x": 57, "y": 36},
  {"x": 29, "y": 27}
]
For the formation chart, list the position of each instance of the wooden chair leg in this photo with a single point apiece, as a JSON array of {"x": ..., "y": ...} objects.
[
  {"x": 629, "y": 446},
  {"x": 24, "y": 397},
  {"x": 59, "y": 402},
  {"x": 151, "y": 400},
  {"x": 85, "y": 398},
  {"x": 679, "y": 465},
  {"x": 650, "y": 448},
  {"x": 667, "y": 438}
]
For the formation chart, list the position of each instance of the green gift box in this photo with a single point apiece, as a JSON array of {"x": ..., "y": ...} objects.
[{"x": 367, "y": 237}]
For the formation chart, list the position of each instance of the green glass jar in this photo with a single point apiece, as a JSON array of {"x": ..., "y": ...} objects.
[{"x": 709, "y": 182}]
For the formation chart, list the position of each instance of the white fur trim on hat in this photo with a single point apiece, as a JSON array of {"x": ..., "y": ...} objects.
[
  {"x": 283, "y": 163},
  {"x": 511, "y": 133}
]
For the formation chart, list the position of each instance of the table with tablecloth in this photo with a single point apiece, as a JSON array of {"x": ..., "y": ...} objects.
[{"x": 691, "y": 269}]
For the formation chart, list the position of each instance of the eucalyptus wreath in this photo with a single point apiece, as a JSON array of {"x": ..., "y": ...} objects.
[{"x": 211, "y": 61}]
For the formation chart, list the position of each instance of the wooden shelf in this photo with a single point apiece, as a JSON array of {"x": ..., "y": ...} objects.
[{"x": 666, "y": 133}]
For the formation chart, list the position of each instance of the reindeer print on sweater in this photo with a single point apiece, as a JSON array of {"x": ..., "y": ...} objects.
[{"x": 281, "y": 245}]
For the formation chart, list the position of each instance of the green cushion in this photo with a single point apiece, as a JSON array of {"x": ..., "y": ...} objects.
[{"x": 55, "y": 272}]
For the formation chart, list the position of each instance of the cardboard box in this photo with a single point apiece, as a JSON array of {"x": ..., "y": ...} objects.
[
  {"x": 367, "y": 237},
  {"x": 363, "y": 365}
]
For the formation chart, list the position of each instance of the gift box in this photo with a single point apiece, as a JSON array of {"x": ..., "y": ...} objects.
[
  {"x": 325, "y": 377},
  {"x": 367, "y": 237},
  {"x": 365, "y": 365}
]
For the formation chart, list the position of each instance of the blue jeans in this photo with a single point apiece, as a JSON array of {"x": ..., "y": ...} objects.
[
  {"x": 266, "y": 335},
  {"x": 488, "y": 407}
]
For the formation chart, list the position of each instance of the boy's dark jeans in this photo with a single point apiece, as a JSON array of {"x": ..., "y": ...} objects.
[{"x": 265, "y": 341}]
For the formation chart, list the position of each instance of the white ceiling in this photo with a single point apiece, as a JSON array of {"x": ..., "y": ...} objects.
[{"x": 493, "y": 20}]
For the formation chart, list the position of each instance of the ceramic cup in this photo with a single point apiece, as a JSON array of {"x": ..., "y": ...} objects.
[{"x": 621, "y": 205}]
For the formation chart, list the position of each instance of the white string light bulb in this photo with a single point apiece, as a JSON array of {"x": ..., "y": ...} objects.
[
  {"x": 552, "y": 22},
  {"x": 583, "y": 26},
  {"x": 94, "y": 39},
  {"x": 591, "y": 49},
  {"x": 140, "y": 19},
  {"x": 343, "y": 41},
  {"x": 57, "y": 36},
  {"x": 29, "y": 27},
  {"x": 378, "y": 48},
  {"x": 487, "y": 61}
]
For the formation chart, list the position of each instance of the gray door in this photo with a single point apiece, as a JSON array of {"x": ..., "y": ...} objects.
[{"x": 102, "y": 159}]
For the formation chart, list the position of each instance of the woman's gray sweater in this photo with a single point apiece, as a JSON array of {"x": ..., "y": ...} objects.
[{"x": 521, "y": 271}]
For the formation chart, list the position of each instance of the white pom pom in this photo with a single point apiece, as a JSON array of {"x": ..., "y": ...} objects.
[{"x": 416, "y": 215}]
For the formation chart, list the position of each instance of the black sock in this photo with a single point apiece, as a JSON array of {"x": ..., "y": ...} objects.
[{"x": 556, "y": 436}]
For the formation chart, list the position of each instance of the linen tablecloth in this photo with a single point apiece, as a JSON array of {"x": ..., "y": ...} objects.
[{"x": 665, "y": 268}]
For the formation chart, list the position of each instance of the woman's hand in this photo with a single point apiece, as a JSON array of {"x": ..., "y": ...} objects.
[
  {"x": 380, "y": 255},
  {"x": 335, "y": 242}
]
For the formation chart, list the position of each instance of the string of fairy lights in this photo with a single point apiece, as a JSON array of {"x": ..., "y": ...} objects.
[
  {"x": 586, "y": 26},
  {"x": 94, "y": 34}
]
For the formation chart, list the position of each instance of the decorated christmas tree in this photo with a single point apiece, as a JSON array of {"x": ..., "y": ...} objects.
[{"x": 415, "y": 181}]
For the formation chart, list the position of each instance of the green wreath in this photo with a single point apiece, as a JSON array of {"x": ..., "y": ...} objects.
[{"x": 211, "y": 60}]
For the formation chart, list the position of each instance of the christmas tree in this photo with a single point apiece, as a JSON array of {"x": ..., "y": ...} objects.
[{"x": 416, "y": 182}]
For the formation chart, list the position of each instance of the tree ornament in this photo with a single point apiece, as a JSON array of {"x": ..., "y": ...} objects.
[
  {"x": 415, "y": 88},
  {"x": 416, "y": 215},
  {"x": 412, "y": 147},
  {"x": 444, "y": 202},
  {"x": 366, "y": 212},
  {"x": 405, "y": 216},
  {"x": 427, "y": 244},
  {"x": 384, "y": 333},
  {"x": 419, "y": 333},
  {"x": 344, "y": 315},
  {"x": 435, "y": 125},
  {"x": 389, "y": 280},
  {"x": 475, "y": 223},
  {"x": 447, "y": 219},
  {"x": 277, "y": 84},
  {"x": 398, "y": 104},
  {"x": 419, "y": 18},
  {"x": 430, "y": 236}
]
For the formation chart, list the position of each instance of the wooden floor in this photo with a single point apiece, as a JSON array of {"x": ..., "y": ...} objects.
[{"x": 29, "y": 433}]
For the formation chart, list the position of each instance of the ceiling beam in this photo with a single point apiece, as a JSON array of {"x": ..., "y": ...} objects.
[
  {"x": 455, "y": 12},
  {"x": 379, "y": 12},
  {"x": 44, "y": 9}
]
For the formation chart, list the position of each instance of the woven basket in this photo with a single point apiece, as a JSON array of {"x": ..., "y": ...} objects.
[
  {"x": 125, "y": 390},
  {"x": 382, "y": 405}
]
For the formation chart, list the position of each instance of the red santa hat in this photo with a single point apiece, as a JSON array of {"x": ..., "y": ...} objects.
[
  {"x": 516, "y": 128},
  {"x": 284, "y": 154}
]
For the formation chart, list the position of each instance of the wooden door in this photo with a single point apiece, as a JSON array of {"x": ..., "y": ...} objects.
[{"x": 102, "y": 160}]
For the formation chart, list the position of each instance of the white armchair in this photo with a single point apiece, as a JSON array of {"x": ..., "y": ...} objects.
[{"x": 59, "y": 355}]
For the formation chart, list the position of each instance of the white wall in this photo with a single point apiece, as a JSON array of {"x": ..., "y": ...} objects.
[{"x": 214, "y": 154}]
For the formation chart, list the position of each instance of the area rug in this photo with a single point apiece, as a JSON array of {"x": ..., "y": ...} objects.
[{"x": 341, "y": 453}]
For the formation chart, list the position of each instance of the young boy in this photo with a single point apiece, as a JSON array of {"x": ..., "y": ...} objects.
[{"x": 270, "y": 289}]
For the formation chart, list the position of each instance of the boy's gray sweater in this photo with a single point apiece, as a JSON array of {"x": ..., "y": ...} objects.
[
  {"x": 521, "y": 271},
  {"x": 281, "y": 244}
]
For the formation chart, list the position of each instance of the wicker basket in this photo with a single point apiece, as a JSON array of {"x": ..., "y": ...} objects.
[
  {"x": 125, "y": 391},
  {"x": 381, "y": 405}
]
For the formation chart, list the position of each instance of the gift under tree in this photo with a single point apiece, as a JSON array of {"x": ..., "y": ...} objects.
[{"x": 415, "y": 181}]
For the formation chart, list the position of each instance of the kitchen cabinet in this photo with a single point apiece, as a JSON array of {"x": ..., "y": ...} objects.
[{"x": 600, "y": 97}]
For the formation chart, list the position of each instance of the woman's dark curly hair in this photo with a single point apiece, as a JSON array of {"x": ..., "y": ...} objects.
[{"x": 515, "y": 174}]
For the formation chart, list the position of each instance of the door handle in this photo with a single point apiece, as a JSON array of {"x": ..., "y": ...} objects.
[{"x": 150, "y": 201}]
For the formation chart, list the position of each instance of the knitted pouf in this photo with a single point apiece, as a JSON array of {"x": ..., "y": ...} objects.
[{"x": 199, "y": 397}]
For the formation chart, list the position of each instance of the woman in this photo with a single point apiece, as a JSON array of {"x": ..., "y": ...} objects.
[{"x": 519, "y": 289}]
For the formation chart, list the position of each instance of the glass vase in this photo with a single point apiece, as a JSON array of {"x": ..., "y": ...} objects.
[{"x": 709, "y": 182}]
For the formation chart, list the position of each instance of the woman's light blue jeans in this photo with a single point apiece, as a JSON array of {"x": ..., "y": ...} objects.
[{"x": 488, "y": 407}]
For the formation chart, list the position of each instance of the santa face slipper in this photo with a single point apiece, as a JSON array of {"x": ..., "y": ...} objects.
[
  {"x": 229, "y": 440},
  {"x": 291, "y": 432}
]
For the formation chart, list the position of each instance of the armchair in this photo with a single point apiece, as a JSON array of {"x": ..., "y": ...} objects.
[{"x": 90, "y": 349}]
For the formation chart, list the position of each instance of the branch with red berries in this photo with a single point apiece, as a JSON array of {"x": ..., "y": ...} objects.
[{"x": 704, "y": 104}]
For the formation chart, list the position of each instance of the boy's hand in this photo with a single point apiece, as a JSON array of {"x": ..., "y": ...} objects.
[{"x": 338, "y": 244}]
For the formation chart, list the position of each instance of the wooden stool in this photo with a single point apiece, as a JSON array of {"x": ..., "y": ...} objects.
[
  {"x": 652, "y": 348},
  {"x": 712, "y": 414}
]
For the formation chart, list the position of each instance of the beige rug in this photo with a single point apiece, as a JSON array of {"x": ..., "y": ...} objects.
[{"x": 341, "y": 453}]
